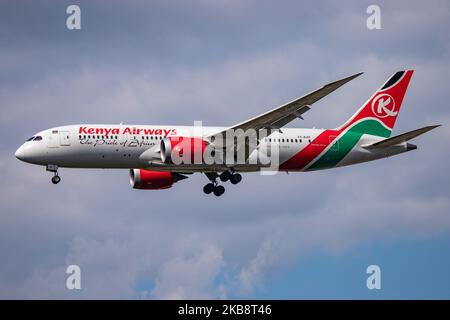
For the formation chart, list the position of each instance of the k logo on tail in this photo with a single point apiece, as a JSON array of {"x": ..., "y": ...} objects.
[{"x": 384, "y": 106}]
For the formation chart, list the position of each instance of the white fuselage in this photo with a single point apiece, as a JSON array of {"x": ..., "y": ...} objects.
[{"x": 132, "y": 146}]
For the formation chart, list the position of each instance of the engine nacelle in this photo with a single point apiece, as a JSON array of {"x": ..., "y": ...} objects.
[
  {"x": 182, "y": 150},
  {"x": 153, "y": 180}
]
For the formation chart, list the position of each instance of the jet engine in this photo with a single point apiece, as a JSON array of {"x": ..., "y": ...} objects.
[
  {"x": 182, "y": 150},
  {"x": 153, "y": 180}
]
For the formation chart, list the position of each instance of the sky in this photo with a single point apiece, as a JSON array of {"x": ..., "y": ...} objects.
[{"x": 285, "y": 236}]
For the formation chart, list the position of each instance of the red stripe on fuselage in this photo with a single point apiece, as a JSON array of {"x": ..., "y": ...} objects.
[{"x": 302, "y": 158}]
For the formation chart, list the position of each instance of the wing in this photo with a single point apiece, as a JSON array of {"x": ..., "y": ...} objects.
[{"x": 279, "y": 117}]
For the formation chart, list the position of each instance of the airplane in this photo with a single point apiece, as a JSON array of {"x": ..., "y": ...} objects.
[{"x": 153, "y": 152}]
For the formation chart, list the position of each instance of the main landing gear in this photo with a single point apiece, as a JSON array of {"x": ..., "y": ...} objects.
[
  {"x": 234, "y": 178},
  {"x": 54, "y": 168},
  {"x": 214, "y": 187}
]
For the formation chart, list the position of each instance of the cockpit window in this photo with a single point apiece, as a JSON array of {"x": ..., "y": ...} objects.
[
  {"x": 29, "y": 139},
  {"x": 37, "y": 138}
]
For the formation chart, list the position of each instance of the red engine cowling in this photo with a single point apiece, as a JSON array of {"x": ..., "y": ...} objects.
[
  {"x": 184, "y": 150},
  {"x": 153, "y": 180}
]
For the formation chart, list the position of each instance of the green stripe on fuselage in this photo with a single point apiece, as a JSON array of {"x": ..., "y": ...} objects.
[{"x": 346, "y": 143}]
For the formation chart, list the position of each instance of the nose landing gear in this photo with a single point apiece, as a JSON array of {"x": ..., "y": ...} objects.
[
  {"x": 54, "y": 168},
  {"x": 56, "y": 179}
]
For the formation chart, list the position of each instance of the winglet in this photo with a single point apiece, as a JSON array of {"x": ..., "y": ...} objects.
[{"x": 338, "y": 83}]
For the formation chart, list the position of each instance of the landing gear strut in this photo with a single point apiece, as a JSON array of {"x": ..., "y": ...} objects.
[
  {"x": 54, "y": 168},
  {"x": 213, "y": 186}
]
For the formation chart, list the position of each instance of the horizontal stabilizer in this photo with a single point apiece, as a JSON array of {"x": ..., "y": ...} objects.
[{"x": 400, "y": 138}]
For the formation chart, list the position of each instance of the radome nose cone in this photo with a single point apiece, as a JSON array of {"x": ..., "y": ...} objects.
[{"x": 20, "y": 153}]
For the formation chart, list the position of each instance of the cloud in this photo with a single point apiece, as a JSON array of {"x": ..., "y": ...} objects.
[{"x": 191, "y": 277}]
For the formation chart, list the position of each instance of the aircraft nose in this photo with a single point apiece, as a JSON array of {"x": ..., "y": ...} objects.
[{"x": 20, "y": 153}]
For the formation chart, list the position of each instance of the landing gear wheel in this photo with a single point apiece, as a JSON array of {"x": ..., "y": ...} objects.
[
  {"x": 56, "y": 179},
  {"x": 219, "y": 190},
  {"x": 53, "y": 168},
  {"x": 225, "y": 176},
  {"x": 208, "y": 188},
  {"x": 235, "y": 178}
]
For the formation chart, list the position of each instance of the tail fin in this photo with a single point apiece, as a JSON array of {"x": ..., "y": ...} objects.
[{"x": 377, "y": 116}]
